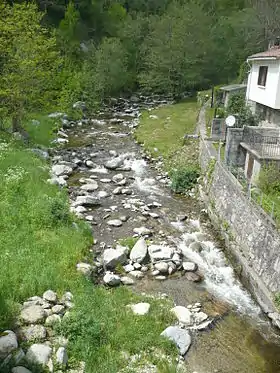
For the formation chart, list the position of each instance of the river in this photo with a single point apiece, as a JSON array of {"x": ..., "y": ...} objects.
[{"x": 241, "y": 339}]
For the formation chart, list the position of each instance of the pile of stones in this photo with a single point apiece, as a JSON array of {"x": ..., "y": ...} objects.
[{"x": 34, "y": 341}]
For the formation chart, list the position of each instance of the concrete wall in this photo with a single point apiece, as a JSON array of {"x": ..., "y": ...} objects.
[
  {"x": 218, "y": 129},
  {"x": 253, "y": 240},
  {"x": 270, "y": 94},
  {"x": 234, "y": 154}
]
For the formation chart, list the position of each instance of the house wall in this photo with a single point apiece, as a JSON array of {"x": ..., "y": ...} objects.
[{"x": 270, "y": 94}]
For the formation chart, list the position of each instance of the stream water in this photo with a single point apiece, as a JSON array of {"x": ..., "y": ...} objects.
[{"x": 241, "y": 339}]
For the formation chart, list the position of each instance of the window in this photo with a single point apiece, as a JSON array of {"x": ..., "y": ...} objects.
[{"x": 262, "y": 75}]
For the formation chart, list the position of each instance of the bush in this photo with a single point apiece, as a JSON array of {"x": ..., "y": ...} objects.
[
  {"x": 237, "y": 106},
  {"x": 184, "y": 179},
  {"x": 269, "y": 178}
]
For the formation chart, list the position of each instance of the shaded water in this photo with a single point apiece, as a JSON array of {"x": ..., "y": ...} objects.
[{"x": 241, "y": 340}]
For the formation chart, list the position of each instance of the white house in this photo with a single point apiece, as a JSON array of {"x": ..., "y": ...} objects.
[{"x": 263, "y": 89}]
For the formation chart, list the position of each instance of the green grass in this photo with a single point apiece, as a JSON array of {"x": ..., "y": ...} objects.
[
  {"x": 209, "y": 115},
  {"x": 39, "y": 250},
  {"x": 166, "y": 133}
]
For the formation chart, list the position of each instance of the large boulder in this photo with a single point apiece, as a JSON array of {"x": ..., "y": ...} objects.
[
  {"x": 112, "y": 257},
  {"x": 139, "y": 251},
  {"x": 39, "y": 354},
  {"x": 114, "y": 163},
  {"x": 8, "y": 343},
  {"x": 87, "y": 201},
  {"x": 160, "y": 252},
  {"x": 180, "y": 337},
  {"x": 32, "y": 314},
  {"x": 20, "y": 369}
]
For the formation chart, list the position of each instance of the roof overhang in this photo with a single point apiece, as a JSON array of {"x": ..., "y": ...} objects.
[{"x": 262, "y": 59}]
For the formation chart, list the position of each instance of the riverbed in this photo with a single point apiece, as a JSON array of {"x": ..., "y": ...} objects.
[{"x": 241, "y": 340}]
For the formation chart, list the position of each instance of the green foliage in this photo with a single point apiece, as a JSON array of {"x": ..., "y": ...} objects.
[
  {"x": 184, "y": 179},
  {"x": 238, "y": 107},
  {"x": 29, "y": 61},
  {"x": 277, "y": 300},
  {"x": 128, "y": 242},
  {"x": 269, "y": 178}
]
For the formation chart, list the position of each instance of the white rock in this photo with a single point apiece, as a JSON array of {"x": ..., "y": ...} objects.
[
  {"x": 156, "y": 272},
  {"x": 20, "y": 369},
  {"x": 59, "y": 308},
  {"x": 52, "y": 319},
  {"x": 137, "y": 266},
  {"x": 136, "y": 274},
  {"x": 67, "y": 297},
  {"x": 89, "y": 163},
  {"x": 200, "y": 317},
  {"x": 61, "y": 169},
  {"x": 111, "y": 279},
  {"x": 114, "y": 163},
  {"x": 160, "y": 278},
  {"x": 183, "y": 315},
  {"x": 189, "y": 266},
  {"x": 162, "y": 267},
  {"x": 57, "y": 180},
  {"x": 86, "y": 201},
  {"x": 80, "y": 209},
  {"x": 112, "y": 257},
  {"x": 117, "y": 191},
  {"x": 39, "y": 354},
  {"x": 139, "y": 251},
  {"x": 142, "y": 231},
  {"x": 127, "y": 280},
  {"x": 114, "y": 223},
  {"x": 180, "y": 337},
  {"x": 50, "y": 296},
  {"x": 8, "y": 343},
  {"x": 90, "y": 187},
  {"x": 117, "y": 178},
  {"x": 105, "y": 181},
  {"x": 140, "y": 308},
  {"x": 160, "y": 252},
  {"x": 32, "y": 314},
  {"x": 84, "y": 268},
  {"x": 128, "y": 268},
  {"x": 61, "y": 356},
  {"x": 103, "y": 194},
  {"x": 34, "y": 333}
]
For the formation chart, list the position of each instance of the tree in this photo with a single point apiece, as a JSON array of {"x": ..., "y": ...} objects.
[{"x": 29, "y": 61}]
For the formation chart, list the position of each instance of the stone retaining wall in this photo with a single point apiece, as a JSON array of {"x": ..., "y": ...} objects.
[{"x": 251, "y": 236}]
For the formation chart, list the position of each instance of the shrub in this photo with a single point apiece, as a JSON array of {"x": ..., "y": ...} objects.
[
  {"x": 269, "y": 178},
  {"x": 184, "y": 179}
]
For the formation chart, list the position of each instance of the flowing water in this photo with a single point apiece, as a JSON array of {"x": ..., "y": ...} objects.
[{"x": 241, "y": 339}]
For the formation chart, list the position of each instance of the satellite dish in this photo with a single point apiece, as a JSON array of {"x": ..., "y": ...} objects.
[{"x": 230, "y": 121}]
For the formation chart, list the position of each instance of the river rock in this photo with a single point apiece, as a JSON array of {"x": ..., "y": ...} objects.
[
  {"x": 115, "y": 223},
  {"x": 50, "y": 296},
  {"x": 84, "y": 268},
  {"x": 189, "y": 266},
  {"x": 89, "y": 163},
  {"x": 140, "y": 308},
  {"x": 8, "y": 343},
  {"x": 114, "y": 163},
  {"x": 33, "y": 332},
  {"x": 112, "y": 257},
  {"x": 139, "y": 251},
  {"x": 117, "y": 178},
  {"x": 183, "y": 315},
  {"x": 52, "y": 320},
  {"x": 127, "y": 281},
  {"x": 180, "y": 337},
  {"x": 32, "y": 314},
  {"x": 87, "y": 201},
  {"x": 128, "y": 268},
  {"x": 162, "y": 267},
  {"x": 20, "y": 369},
  {"x": 194, "y": 277},
  {"x": 61, "y": 356},
  {"x": 200, "y": 317},
  {"x": 117, "y": 191},
  {"x": 111, "y": 279},
  {"x": 61, "y": 169},
  {"x": 160, "y": 252},
  {"x": 80, "y": 209},
  {"x": 142, "y": 231},
  {"x": 57, "y": 180},
  {"x": 39, "y": 354},
  {"x": 58, "y": 308},
  {"x": 136, "y": 274},
  {"x": 90, "y": 187}
]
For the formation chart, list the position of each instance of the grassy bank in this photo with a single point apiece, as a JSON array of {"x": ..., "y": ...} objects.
[
  {"x": 39, "y": 249},
  {"x": 162, "y": 132}
]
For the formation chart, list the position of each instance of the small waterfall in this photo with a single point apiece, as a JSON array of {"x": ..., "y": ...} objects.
[{"x": 219, "y": 277}]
